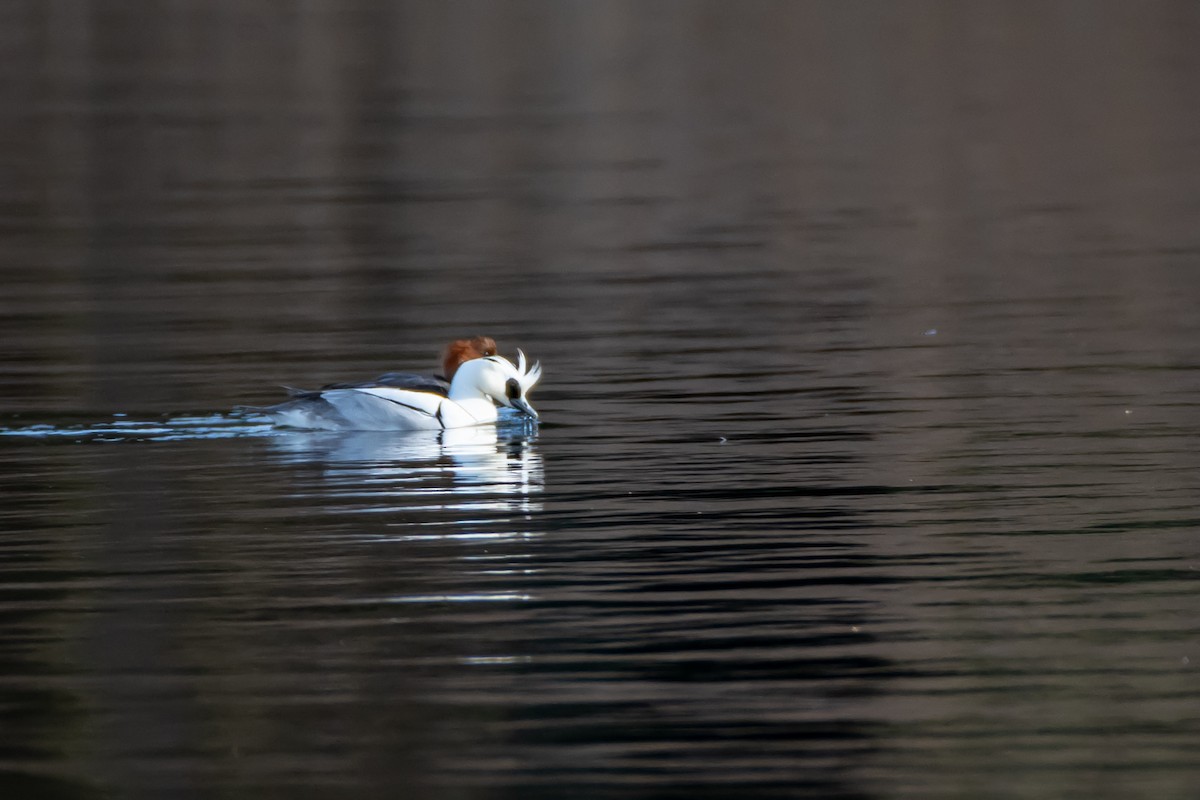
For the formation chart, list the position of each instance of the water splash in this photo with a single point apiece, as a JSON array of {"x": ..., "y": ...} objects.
[{"x": 123, "y": 429}]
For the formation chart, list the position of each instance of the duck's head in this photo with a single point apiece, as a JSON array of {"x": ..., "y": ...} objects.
[
  {"x": 460, "y": 351},
  {"x": 498, "y": 379}
]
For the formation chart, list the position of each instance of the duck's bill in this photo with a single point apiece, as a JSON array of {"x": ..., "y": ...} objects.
[{"x": 520, "y": 404}]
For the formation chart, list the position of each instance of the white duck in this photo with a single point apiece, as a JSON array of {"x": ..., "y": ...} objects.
[{"x": 478, "y": 387}]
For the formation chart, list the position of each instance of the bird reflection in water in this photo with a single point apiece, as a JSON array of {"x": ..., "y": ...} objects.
[
  {"x": 475, "y": 489},
  {"x": 458, "y": 477}
]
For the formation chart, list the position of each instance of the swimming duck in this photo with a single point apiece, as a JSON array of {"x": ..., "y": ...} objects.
[{"x": 479, "y": 385}]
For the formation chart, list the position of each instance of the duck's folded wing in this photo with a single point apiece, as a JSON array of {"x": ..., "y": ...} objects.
[
  {"x": 399, "y": 380},
  {"x": 386, "y": 408},
  {"x": 414, "y": 382}
]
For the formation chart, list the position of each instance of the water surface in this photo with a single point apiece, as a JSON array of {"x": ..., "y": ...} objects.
[{"x": 868, "y": 465}]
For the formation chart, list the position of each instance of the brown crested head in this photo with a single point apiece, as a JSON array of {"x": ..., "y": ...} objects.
[{"x": 461, "y": 350}]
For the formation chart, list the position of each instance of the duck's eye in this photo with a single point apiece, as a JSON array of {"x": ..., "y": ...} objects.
[{"x": 512, "y": 389}]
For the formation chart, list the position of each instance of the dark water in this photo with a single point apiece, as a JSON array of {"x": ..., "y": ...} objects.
[{"x": 869, "y": 464}]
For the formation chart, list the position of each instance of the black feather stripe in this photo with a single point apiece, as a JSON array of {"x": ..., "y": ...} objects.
[{"x": 406, "y": 405}]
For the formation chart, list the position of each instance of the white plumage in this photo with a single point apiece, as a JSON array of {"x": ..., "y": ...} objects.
[{"x": 479, "y": 386}]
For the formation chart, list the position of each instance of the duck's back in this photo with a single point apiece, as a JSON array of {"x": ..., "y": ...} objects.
[{"x": 400, "y": 380}]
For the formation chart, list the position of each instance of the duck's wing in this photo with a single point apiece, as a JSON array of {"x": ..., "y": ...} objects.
[
  {"x": 399, "y": 380},
  {"x": 414, "y": 382},
  {"x": 386, "y": 408}
]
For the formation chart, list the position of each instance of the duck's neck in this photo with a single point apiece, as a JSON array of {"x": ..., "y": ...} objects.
[
  {"x": 465, "y": 391},
  {"x": 473, "y": 401},
  {"x": 466, "y": 382},
  {"x": 481, "y": 408},
  {"x": 462, "y": 391}
]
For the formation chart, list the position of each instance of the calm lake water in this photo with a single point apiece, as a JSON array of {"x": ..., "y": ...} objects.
[{"x": 870, "y": 455}]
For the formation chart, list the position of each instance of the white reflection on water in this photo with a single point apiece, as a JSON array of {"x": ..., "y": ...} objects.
[
  {"x": 473, "y": 472},
  {"x": 489, "y": 660},
  {"x": 474, "y": 487},
  {"x": 462, "y": 482},
  {"x": 486, "y": 470},
  {"x": 501, "y": 597}
]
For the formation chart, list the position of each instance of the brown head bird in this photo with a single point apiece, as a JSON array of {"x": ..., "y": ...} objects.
[{"x": 461, "y": 350}]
